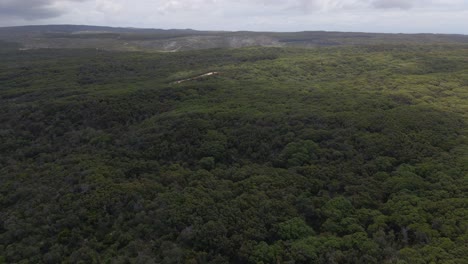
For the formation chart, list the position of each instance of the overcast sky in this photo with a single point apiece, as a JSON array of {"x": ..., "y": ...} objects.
[{"x": 406, "y": 16}]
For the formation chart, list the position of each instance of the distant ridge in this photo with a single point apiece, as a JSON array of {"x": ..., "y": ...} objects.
[
  {"x": 150, "y": 39},
  {"x": 74, "y": 28}
]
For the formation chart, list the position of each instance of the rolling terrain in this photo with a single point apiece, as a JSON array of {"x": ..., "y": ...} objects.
[
  {"x": 133, "y": 39},
  {"x": 328, "y": 154}
]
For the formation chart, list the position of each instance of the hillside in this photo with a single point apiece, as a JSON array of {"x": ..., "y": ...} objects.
[
  {"x": 134, "y": 39},
  {"x": 348, "y": 154}
]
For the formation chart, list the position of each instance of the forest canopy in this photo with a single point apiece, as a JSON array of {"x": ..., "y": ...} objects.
[{"x": 288, "y": 155}]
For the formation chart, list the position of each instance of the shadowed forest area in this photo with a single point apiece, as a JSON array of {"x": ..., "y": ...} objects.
[{"x": 287, "y": 155}]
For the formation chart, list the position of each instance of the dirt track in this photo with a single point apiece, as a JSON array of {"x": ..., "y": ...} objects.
[{"x": 197, "y": 77}]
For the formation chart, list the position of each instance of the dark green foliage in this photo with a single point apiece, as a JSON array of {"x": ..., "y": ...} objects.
[{"x": 330, "y": 155}]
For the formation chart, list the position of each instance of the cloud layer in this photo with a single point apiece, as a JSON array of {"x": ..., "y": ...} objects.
[
  {"x": 272, "y": 15},
  {"x": 403, "y": 4},
  {"x": 33, "y": 9}
]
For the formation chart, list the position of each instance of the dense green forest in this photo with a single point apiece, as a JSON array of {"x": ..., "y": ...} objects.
[{"x": 287, "y": 155}]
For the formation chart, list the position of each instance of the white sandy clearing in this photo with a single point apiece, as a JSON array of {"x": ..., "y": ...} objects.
[{"x": 197, "y": 77}]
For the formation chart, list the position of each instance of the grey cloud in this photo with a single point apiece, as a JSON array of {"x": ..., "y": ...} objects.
[
  {"x": 388, "y": 4},
  {"x": 31, "y": 9}
]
